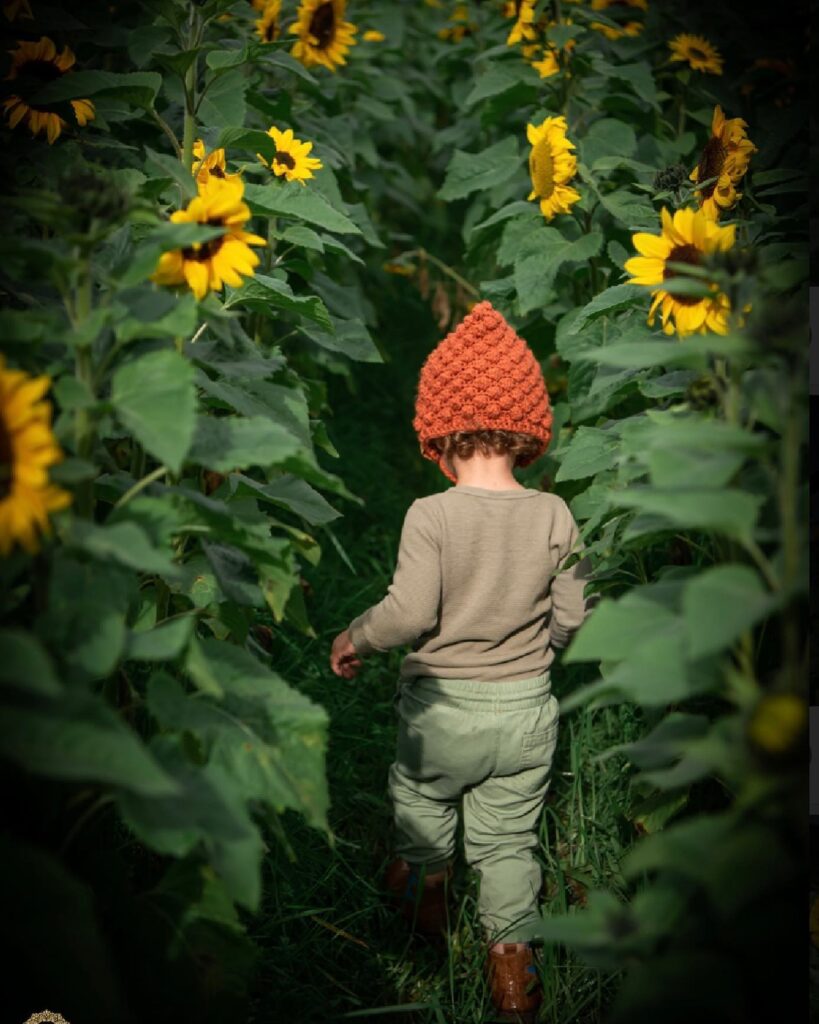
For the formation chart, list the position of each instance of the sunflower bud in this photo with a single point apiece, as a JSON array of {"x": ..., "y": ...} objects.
[
  {"x": 778, "y": 727},
  {"x": 670, "y": 179}
]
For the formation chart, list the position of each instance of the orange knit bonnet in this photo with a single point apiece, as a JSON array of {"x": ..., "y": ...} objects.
[{"x": 482, "y": 376}]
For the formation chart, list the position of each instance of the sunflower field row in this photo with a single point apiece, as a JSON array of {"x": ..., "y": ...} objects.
[
  {"x": 657, "y": 248},
  {"x": 181, "y": 273},
  {"x": 205, "y": 199}
]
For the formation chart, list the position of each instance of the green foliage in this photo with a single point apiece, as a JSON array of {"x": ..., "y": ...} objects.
[{"x": 138, "y": 670}]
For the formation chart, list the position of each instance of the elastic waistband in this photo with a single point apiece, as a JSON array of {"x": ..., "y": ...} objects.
[{"x": 516, "y": 694}]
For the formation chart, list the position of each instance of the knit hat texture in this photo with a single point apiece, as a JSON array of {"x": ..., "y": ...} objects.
[{"x": 482, "y": 376}]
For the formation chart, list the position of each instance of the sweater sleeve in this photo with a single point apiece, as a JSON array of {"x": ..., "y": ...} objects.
[
  {"x": 569, "y": 606},
  {"x": 412, "y": 603}
]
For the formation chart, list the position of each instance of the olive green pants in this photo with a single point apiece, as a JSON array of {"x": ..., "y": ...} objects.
[{"x": 490, "y": 745}]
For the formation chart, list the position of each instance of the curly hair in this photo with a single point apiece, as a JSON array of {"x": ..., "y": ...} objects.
[{"x": 464, "y": 444}]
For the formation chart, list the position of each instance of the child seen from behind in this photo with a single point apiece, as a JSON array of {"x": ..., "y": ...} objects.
[{"x": 484, "y": 591}]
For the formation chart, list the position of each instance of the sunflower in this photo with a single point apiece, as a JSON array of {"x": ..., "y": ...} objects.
[
  {"x": 290, "y": 159},
  {"x": 27, "y": 449},
  {"x": 548, "y": 64},
  {"x": 33, "y": 65},
  {"x": 268, "y": 26},
  {"x": 686, "y": 238},
  {"x": 725, "y": 157},
  {"x": 551, "y": 166},
  {"x": 373, "y": 36},
  {"x": 209, "y": 168},
  {"x": 206, "y": 266},
  {"x": 697, "y": 51},
  {"x": 630, "y": 28},
  {"x": 324, "y": 35},
  {"x": 524, "y": 28}
]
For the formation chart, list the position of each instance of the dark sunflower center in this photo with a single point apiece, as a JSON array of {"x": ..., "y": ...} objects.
[
  {"x": 205, "y": 250},
  {"x": 711, "y": 162},
  {"x": 683, "y": 254},
  {"x": 32, "y": 76},
  {"x": 284, "y": 158},
  {"x": 217, "y": 172},
  {"x": 323, "y": 25},
  {"x": 697, "y": 53},
  {"x": 5, "y": 461},
  {"x": 271, "y": 33}
]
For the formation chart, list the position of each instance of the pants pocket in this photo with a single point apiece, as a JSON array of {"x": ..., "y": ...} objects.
[{"x": 538, "y": 745}]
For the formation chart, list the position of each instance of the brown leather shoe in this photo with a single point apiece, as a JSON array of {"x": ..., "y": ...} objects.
[
  {"x": 513, "y": 983},
  {"x": 426, "y": 912}
]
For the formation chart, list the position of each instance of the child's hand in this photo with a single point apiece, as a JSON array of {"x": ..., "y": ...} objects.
[{"x": 343, "y": 659}]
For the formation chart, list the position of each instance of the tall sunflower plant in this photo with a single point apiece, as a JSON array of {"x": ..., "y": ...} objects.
[
  {"x": 184, "y": 257},
  {"x": 633, "y": 236}
]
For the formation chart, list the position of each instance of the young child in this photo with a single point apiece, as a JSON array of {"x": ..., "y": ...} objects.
[{"x": 483, "y": 593}]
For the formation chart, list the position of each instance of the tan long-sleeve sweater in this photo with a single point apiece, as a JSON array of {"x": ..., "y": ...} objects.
[{"x": 480, "y": 589}]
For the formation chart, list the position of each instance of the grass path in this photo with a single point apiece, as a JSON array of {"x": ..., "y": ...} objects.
[{"x": 329, "y": 945}]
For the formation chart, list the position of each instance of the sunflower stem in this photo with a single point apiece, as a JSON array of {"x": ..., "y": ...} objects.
[
  {"x": 189, "y": 123},
  {"x": 681, "y": 110},
  {"x": 166, "y": 128},
  {"x": 445, "y": 268},
  {"x": 140, "y": 485}
]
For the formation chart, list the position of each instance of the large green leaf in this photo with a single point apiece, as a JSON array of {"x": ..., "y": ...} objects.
[
  {"x": 606, "y": 136},
  {"x": 85, "y": 616},
  {"x": 656, "y": 351},
  {"x": 616, "y": 628},
  {"x": 223, "y": 101},
  {"x": 235, "y": 572},
  {"x": 295, "y": 200},
  {"x": 286, "y": 406},
  {"x": 720, "y": 604},
  {"x": 154, "y": 396},
  {"x": 157, "y": 314},
  {"x": 230, "y": 442},
  {"x": 291, "y": 493},
  {"x": 162, "y": 643},
  {"x": 636, "y": 677},
  {"x": 265, "y": 294},
  {"x": 590, "y": 451},
  {"x": 499, "y": 78},
  {"x": 540, "y": 257},
  {"x": 349, "y": 337},
  {"x": 609, "y": 301},
  {"x": 124, "y": 543},
  {"x": 79, "y": 738},
  {"x": 729, "y": 511},
  {"x": 470, "y": 172},
  {"x": 25, "y": 665}
]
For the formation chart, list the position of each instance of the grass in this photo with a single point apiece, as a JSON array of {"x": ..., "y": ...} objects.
[{"x": 330, "y": 947}]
